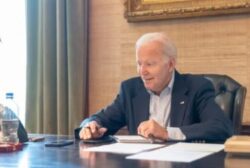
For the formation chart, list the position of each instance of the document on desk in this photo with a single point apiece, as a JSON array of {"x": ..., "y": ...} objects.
[
  {"x": 179, "y": 152},
  {"x": 123, "y": 148},
  {"x": 131, "y": 139}
]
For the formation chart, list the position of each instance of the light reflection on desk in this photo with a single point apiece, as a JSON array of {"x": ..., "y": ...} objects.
[{"x": 237, "y": 160}]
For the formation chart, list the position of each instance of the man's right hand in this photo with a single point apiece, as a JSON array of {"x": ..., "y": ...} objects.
[{"x": 92, "y": 131}]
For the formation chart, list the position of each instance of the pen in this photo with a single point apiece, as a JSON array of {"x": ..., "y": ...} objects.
[
  {"x": 36, "y": 139},
  {"x": 151, "y": 138}
]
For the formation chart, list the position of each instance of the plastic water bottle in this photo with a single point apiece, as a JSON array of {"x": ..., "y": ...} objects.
[{"x": 10, "y": 121}]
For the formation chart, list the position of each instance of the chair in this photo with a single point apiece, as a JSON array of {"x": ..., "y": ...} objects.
[{"x": 230, "y": 96}]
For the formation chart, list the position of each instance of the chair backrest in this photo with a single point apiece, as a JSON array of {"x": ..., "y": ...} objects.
[{"x": 230, "y": 96}]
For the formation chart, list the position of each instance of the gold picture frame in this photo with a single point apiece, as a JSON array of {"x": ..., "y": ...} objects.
[{"x": 143, "y": 10}]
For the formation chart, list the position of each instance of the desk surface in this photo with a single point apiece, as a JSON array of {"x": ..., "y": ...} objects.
[{"x": 35, "y": 154}]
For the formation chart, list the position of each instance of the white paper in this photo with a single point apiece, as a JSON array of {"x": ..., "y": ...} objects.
[
  {"x": 136, "y": 139},
  {"x": 124, "y": 148},
  {"x": 180, "y": 152},
  {"x": 131, "y": 139},
  {"x": 198, "y": 147}
]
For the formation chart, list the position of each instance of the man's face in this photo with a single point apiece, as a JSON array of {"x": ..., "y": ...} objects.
[{"x": 154, "y": 67}]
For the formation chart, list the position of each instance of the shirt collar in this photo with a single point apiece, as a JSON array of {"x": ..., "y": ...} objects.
[{"x": 171, "y": 83}]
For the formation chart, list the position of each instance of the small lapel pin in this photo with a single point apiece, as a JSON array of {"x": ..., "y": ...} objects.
[{"x": 182, "y": 102}]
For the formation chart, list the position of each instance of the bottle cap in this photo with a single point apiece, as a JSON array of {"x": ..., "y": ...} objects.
[{"x": 9, "y": 95}]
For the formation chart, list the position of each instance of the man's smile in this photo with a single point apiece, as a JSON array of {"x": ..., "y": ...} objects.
[{"x": 147, "y": 79}]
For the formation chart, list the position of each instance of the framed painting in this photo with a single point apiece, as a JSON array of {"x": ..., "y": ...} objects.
[{"x": 143, "y": 10}]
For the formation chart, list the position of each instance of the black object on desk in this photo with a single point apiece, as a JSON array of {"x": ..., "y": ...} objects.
[
  {"x": 59, "y": 143},
  {"x": 104, "y": 139}
]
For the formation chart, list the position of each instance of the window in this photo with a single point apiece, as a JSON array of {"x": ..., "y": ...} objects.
[{"x": 13, "y": 52}]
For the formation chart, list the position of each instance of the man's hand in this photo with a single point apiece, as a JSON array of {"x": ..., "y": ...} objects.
[
  {"x": 151, "y": 129},
  {"x": 92, "y": 131}
]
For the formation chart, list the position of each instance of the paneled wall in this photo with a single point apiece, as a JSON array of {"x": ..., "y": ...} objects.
[{"x": 218, "y": 44}]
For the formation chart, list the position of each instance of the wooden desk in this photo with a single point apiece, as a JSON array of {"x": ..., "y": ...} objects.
[{"x": 35, "y": 154}]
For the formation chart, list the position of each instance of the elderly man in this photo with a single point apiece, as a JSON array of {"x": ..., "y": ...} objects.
[{"x": 161, "y": 103}]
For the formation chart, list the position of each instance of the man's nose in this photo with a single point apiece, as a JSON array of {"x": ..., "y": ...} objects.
[{"x": 143, "y": 70}]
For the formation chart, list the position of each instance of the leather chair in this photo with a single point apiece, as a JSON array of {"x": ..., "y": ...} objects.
[{"x": 230, "y": 96}]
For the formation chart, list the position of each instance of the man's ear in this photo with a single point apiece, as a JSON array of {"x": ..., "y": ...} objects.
[{"x": 172, "y": 63}]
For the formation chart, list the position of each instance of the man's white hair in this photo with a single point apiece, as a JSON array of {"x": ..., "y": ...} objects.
[{"x": 169, "y": 48}]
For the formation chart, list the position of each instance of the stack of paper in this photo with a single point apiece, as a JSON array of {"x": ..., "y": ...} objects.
[{"x": 131, "y": 139}]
